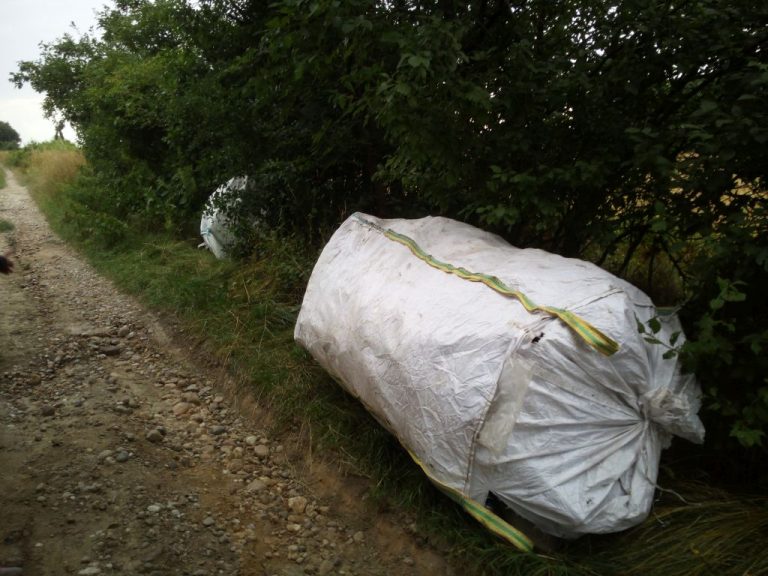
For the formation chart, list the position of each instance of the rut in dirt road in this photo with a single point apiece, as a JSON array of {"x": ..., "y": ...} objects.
[{"x": 119, "y": 456}]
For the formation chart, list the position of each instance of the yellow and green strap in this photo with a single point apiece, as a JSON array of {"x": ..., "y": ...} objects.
[
  {"x": 581, "y": 327},
  {"x": 480, "y": 513}
]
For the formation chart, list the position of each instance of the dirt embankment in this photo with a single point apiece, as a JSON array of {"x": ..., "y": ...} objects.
[{"x": 120, "y": 455}]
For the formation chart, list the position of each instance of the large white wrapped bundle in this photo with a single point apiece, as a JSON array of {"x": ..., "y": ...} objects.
[
  {"x": 537, "y": 407},
  {"x": 215, "y": 227}
]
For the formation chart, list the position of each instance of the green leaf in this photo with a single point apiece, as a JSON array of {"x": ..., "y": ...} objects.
[
  {"x": 416, "y": 61},
  {"x": 402, "y": 88},
  {"x": 298, "y": 71},
  {"x": 747, "y": 436},
  {"x": 707, "y": 106},
  {"x": 654, "y": 325},
  {"x": 659, "y": 225}
]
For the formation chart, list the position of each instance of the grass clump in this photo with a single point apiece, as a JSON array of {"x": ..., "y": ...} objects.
[
  {"x": 244, "y": 312},
  {"x": 5, "y": 225},
  {"x": 697, "y": 530},
  {"x": 45, "y": 167}
]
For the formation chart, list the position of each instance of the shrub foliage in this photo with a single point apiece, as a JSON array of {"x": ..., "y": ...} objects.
[
  {"x": 632, "y": 133},
  {"x": 9, "y": 138}
]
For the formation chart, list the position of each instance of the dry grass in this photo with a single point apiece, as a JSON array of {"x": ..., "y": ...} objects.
[
  {"x": 711, "y": 532},
  {"x": 48, "y": 169}
]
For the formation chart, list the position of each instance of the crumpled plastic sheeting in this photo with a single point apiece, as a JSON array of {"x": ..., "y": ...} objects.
[
  {"x": 215, "y": 227},
  {"x": 490, "y": 397}
]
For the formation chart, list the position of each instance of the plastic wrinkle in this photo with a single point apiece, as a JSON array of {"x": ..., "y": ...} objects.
[
  {"x": 489, "y": 397},
  {"x": 215, "y": 227}
]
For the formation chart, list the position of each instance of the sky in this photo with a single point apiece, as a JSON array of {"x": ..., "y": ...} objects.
[{"x": 24, "y": 24}]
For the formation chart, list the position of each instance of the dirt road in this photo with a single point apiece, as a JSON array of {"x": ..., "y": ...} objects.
[{"x": 120, "y": 455}]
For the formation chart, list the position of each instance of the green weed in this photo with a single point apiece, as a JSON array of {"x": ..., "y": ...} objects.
[{"x": 244, "y": 311}]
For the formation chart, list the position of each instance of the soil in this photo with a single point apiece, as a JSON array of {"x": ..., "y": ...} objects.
[{"x": 123, "y": 452}]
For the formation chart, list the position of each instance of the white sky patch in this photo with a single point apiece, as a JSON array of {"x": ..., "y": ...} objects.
[
  {"x": 25, "y": 115},
  {"x": 23, "y": 26}
]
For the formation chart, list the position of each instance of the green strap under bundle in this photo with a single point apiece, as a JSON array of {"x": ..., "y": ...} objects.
[
  {"x": 584, "y": 329},
  {"x": 480, "y": 513}
]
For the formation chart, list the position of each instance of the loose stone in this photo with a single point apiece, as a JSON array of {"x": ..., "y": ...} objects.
[
  {"x": 154, "y": 436},
  {"x": 297, "y": 504},
  {"x": 325, "y": 567},
  {"x": 181, "y": 408},
  {"x": 256, "y": 486}
]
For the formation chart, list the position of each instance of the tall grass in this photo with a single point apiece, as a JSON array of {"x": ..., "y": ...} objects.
[
  {"x": 698, "y": 532},
  {"x": 5, "y": 226},
  {"x": 243, "y": 314},
  {"x": 46, "y": 167}
]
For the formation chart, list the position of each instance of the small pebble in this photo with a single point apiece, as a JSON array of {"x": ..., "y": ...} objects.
[{"x": 154, "y": 436}]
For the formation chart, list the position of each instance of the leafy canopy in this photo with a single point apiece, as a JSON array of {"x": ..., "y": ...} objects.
[
  {"x": 632, "y": 133},
  {"x": 9, "y": 138}
]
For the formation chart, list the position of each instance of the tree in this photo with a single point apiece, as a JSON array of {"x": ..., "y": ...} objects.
[
  {"x": 9, "y": 138},
  {"x": 630, "y": 133}
]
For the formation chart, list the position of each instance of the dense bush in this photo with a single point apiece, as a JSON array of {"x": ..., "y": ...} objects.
[
  {"x": 631, "y": 133},
  {"x": 9, "y": 138}
]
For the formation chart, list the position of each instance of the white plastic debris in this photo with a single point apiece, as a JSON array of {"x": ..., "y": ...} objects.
[
  {"x": 215, "y": 227},
  {"x": 412, "y": 318}
]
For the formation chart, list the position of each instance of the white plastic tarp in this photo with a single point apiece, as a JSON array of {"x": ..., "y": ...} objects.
[
  {"x": 215, "y": 227},
  {"x": 487, "y": 395}
]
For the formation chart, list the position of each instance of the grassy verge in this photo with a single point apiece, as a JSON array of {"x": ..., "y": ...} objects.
[
  {"x": 47, "y": 167},
  {"x": 5, "y": 226},
  {"x": 245, "y": 312}
]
